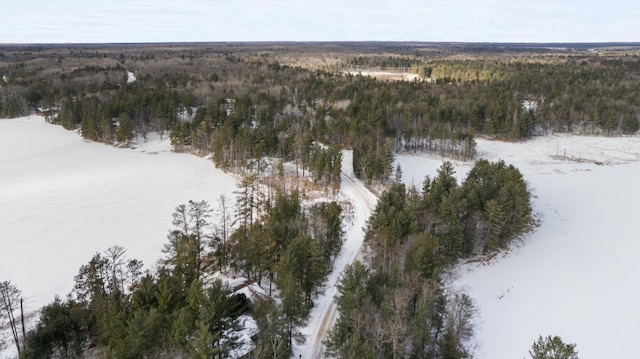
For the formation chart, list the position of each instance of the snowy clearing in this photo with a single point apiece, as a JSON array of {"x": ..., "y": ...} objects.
[
  {"x": 62, "y": 199},
  {"x": 575, "y": 276}
]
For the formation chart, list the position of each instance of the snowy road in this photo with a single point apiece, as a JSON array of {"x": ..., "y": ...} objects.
[{"x": 324, "y": 314}]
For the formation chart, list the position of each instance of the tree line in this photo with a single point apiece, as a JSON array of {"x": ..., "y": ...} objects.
[
  {"x": 119, "y": 310},
  {"x": 246, "y": 106},
  {"x": 402, "y": 304}
]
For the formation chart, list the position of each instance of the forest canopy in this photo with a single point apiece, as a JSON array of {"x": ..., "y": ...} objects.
[
  {"x": 253, "y": 105},
  {"x": 243, "y": 102}
]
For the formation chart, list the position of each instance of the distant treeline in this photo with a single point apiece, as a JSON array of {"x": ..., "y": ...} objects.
[{"x": 247, "y": 105}]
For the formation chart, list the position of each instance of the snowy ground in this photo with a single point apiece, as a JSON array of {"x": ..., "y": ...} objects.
[
  {"x": 576, "y": 276},
  {"x": 131, "y": 77},
  {"x": 62, "y": 199},
  {"x": 324, "y": 314}
]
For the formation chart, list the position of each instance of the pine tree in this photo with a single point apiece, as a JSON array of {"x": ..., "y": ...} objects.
[
  {"x": 293, "y": 308},
  {"x": 285, "y": 219},
  {"x": 215, "y": 323},
  {"x": 552, "y": 348},
  {"x": 335, "y": 167},
  {"x": 495, "y": 218},
  {"x": 124, "y": 132},
  {"x": 443, "y": 183},
  {"x": 499, "y": 207},
  {"x": 303, "y": 263},
  {"x": 272, "y": 338},
  {"x": 388, "y": 227},
  {"x": 348, "y": 337},
  {"x": 423, "y": 255},
  {"x": 223, "y": 229},
  {"x": 187, "y": 242},
  {"x": 59, "y": 333},
  {"x": 248, "y": 202},
  {"x": 398, "y": 174},
  {"x": 452, "y": 210},
  {"x": 326, "y": 228}
]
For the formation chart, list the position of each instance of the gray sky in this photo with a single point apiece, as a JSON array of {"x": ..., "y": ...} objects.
[{"x": 82, "y": 21}]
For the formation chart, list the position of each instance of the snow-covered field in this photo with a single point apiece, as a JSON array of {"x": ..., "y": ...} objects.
[
  {"x": 576, "y": 276},
  {"x": 62, "y": 199}
]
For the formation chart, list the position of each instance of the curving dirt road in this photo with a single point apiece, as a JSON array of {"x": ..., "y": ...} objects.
[{"x": 324, "y": 314}]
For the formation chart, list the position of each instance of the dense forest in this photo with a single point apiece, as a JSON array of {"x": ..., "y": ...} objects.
[
  {"x": 401, "y": 304},
  {"x": 117, "y": 309},
  {"x": 255, "y": 107},
  {"x": 244, "y": 103}
]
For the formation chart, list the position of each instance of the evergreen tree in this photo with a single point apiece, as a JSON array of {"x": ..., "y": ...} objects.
[
  {"x": 348, "y": 338},
  {"x": 326, "y": 228},
  {"x": 272, "y": 340},
  {"x": 452, "y": 212},
  {"x": 214, "y": 331},
  {"x": 552, "y": 348},
  {"x": 124, "y": 132},
  {"x": 630, "y": 123},
  {"x": 303, "y": 263},
  {"x": 498, "y": 203},
  {"x": 423, "y": 255},
  {"x": 495, "y": 218},
  {"x": 91, "y": 290},
  {"x": 285, "y": 221},
  {"x": 59, "y": 333},
  {"x": 134, "y": 334},
  {"x": 186, "y": 255},
  {"x": 248, "y": 202},
  {"x": 388, "y": 227},
  {"x": 442, "y": 184},
  {"x": 293, "y": 308}
]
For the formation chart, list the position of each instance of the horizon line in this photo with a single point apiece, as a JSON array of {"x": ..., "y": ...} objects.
[{"x": 408, "y": 42}]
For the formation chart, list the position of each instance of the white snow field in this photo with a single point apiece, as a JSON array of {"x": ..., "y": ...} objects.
[
  {"x": 62, "y": 199},
  {"x": 577, "y": 275}
]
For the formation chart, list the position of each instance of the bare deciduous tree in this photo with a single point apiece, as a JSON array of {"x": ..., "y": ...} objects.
[{"x": 10, "y": 300}]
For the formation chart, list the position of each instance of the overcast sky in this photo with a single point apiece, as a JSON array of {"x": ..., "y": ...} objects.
[{"x": 90, "y": 21}]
